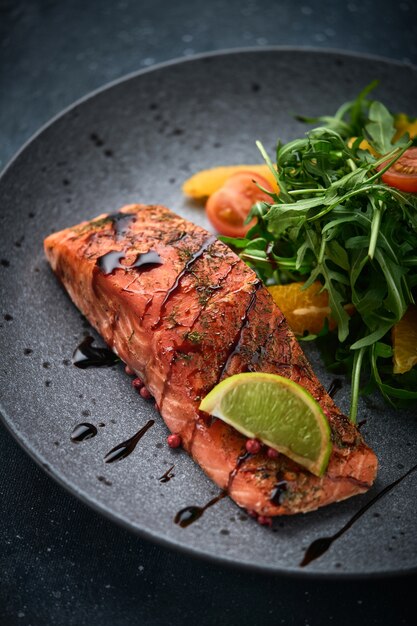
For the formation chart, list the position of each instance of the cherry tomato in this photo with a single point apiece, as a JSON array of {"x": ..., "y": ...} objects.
[
  {"x": 228, "y": 207},
  {"x": 403, "y": 174}
]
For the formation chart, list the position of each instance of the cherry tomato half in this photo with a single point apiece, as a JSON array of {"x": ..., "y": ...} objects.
[
  {"x": 403, "y": 174},
  {"x": 228, "y": 207}
]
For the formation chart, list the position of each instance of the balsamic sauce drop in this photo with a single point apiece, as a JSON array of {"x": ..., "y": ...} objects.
[
  {"x": 321, "y": 545},
  {"x": 277, "y": 492},
  {"x": 125, "y": 448},
  {"x": 190, "y": 514},
  {"x": 165, "y": 478},
  {"x": 83, "y": 431},
  {"x": 147, "y": 261},
  {"x": 121, "y": 223},
  {"x": 111, "y": 261},
  {"x": 86, "y": 355}
]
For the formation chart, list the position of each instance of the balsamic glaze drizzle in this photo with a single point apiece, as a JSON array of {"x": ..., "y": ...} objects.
[
  {"x": 191, "y": 514},
  {"x": 235, "y": 347},
  {"x": 165, "y": 478},
  {"x": 86, "y": 355},
  {"x": 321, "y": 545},
  {"x": 83, "y": 431},
  {"x": 125, "y": 448},
  {"x": 211, "y": 289},
  {"x": 196, "y": 255},
  {"x": 334, "y": 387},
  {"x": 239, "y": 461}
]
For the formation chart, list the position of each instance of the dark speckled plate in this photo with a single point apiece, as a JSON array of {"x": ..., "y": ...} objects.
[{"x": 137, "y": 140}]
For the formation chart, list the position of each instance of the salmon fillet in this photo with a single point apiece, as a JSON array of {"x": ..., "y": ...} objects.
[{"x": 184, "y": 312}]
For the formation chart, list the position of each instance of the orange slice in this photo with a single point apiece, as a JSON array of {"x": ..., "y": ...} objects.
[
  {"x": 404, "y": 341},
  {"x": 404, "y": 124},
  {"x": 204, "y": 183},
  {"x": 304, "y": 309}
]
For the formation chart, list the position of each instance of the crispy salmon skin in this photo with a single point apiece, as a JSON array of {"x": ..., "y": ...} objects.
[{"x": 183, "y": 311}]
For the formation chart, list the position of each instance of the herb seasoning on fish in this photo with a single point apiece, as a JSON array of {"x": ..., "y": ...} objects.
[
  {"x": 196, "y": 255},
  {"x": 236, "y": 345}
]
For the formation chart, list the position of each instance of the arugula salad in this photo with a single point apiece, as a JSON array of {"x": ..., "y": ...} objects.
[{"x": 346, "y": 215}]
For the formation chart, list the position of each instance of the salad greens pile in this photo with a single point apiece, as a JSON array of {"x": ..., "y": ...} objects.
[{"x": 335, "y": 221}]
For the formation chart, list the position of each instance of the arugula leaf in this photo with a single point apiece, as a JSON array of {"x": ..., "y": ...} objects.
[
  {"x": 350, "y": 119},
  {"x": 380, "y": 129}
]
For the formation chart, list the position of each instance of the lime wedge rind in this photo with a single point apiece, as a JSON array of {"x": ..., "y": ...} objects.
[{"x": 290, "y": 420}]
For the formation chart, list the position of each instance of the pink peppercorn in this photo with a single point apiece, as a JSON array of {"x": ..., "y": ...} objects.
[
  {"x": 253, "y": 446},
  {"x": 174, "y": 441},
  {"x": 264, "y": 521},
  {"x": 145, "y": 393},
  {"x": 129, "y": 371},
  {"x": 137, "y": 383},
  {"x": 272, "y": 453}
]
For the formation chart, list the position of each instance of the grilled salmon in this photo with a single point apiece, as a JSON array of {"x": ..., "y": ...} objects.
[{"x": 183, "y": 311}]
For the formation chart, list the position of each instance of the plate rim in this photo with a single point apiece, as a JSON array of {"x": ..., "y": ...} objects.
[
  {"x": 60, "y": 478},
  {"x": 189, "y": 59}
]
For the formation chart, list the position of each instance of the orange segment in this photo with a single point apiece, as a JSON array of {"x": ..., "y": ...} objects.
[
  {"x": 203, "y": 184},
  {"x": 404, "y": 341},
  {"x": 305, "y": 310},
  {"x": 404, "y": 124},
  {"x": 364, "y": 145}
]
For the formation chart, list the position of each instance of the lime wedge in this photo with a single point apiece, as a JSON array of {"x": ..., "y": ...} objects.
[{"x": 278, "y": 412}]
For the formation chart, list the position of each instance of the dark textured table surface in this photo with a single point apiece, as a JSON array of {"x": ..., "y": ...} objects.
[{"x": 61, "y": 563}]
